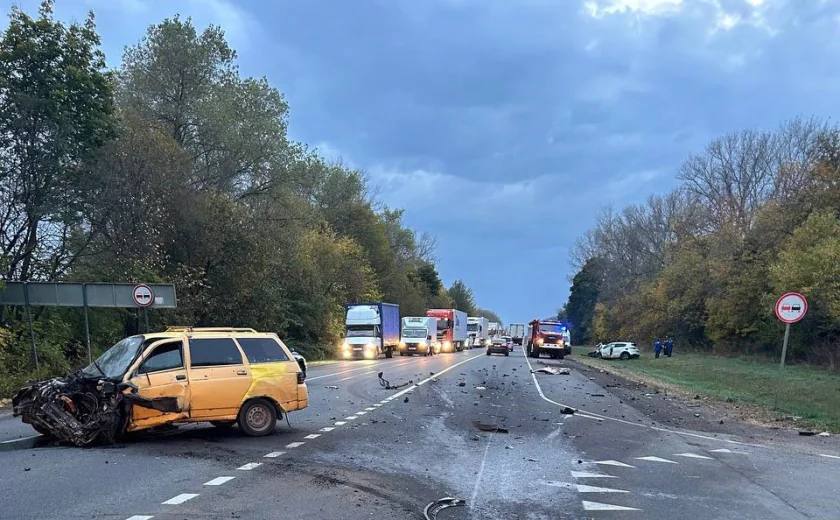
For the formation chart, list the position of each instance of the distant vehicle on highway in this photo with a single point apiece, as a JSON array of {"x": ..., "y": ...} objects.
[
  {"x": 498, "y": 345},
  {"x": 419, "y": 336},
  {"x": 617, "y": 350},
  {"x": 451, "y": 328},
  {"x": 372, "y": 329},
  {"x": 517, "y": 332},
  {"x": 478, "y": 330},
  {"x": 508, "y": 342}
]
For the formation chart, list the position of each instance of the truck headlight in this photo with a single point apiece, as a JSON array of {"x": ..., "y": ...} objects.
[
  {"x": 447, "y": 345},
  {"x": 539, "y": 341}
]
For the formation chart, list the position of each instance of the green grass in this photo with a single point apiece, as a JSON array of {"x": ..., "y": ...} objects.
[{"x": 797, "y": 390}]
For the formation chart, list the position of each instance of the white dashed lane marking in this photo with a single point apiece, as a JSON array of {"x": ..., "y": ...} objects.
[
  {"x": 326, "y": 429},
  {"x": 249, "y": 466},
  {"x": 340, "y": 423},
  {"x": 613, "y": 463},
  {"x": 295, "y": 444},
  {"x": 587, "y": 474},
  {"x": 692, "y": 456},
  {"x": 274, "y": 454},
  {"x": 140, "y": 517},
  {"x": 312, "y": 436},
  {"x": 598, "y": 506},
  {"x": 180, "y": 499},
  {"x": 361, "y": 413},
  {"x": 218, "y": 481},
  {"x": 724, "y": 450},
  {"x": 657, "y": 459},
  {"x": 370, "y": 409},
  {"x": 582, "y": 488},
  {"x": 351, "y": 418}
]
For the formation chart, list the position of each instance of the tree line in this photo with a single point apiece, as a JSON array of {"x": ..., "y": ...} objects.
[
  {"x": 175, "y": 168},
  {"x": 756, "y": 213}
]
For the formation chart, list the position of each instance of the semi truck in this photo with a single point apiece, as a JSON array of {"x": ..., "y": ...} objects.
[
  {"x": 547, "y": 336},
  {"x": 451, "y": 328},
  {"x": 478, "y": 331},
  {"x": 495, "y": 328},
  {"x": 419, "y": 336},
  {"x": 371, "y": 330},
  {"x": 516, "y": 331}
]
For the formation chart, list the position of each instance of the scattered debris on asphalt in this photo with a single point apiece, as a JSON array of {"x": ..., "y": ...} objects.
[
  {"x": 551, "y": 371},
  {"x": 824, "y": 434},
  {"x": 567, "y": 411},
  {"x": 489, "y": 427},
  {"x": 806, "y": 433},
  {"x": 430, "y": 511},
  {"x": 384, "y": 383},
  {"x": 331, "y": 387},
  {"x": 461, "y": 383},
  {"x": 596, "y": 395},
  {"x": 481, "y": 388}
]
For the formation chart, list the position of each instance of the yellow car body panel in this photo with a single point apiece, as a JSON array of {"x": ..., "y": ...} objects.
[{"x": 278, "y": 381}]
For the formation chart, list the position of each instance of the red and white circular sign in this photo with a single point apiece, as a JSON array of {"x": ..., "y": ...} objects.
[
  {"x": 791, "y": 307},
  {"x": 142, "y": 295}
]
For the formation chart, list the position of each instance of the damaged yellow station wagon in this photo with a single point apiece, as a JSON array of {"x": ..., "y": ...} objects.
[{"x": 224, "y": 376}]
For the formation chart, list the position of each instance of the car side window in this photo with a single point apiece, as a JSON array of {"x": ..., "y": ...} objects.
[
  {"x": 208, "y": 352},
  {"x": 262, "y": 350},
  {"x": 164, "y": 357}
]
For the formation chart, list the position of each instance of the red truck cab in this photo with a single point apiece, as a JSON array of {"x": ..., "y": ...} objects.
[{"x": 547, "y": 336}]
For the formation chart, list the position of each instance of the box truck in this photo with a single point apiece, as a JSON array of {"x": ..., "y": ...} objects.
[
  {"x": 419, "y": 336},
  {"x": 516, "y": 331},
  {"x": 478, "y": 332},
  {"x": 371, "y": 330},
  {"x": 451, "y": 328}
]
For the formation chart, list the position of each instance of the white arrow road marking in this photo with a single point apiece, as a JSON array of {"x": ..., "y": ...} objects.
[
  {"x": 692, "y": 456},
  {"x": 180, "y": 499},
  {"x": 274, "y": 454},
  {"x": 656, "y": 459},
  {"x": 587, "y": 474},
  {"x": 312, "y": 436},
  {"x": 829, "y": 456},
  {"x": 582, "y": 488},
  {"x": 598, "y": 506},
  {"x": 250, "y": 466},
  {"x": 140, "y": 517},
  {"x": 613, "y": 463},
  {"x": 295, "y": 444},
  {"x": 326, "y": 429},
  {"x": 218, "y": 481}
]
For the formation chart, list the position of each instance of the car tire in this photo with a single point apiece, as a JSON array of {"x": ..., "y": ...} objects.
[
  {"x": 624, "y": 356},
  {"x": 488, "y": 352},
  {"x": 388, "y": 354},
  {"x": 507, "y": 354},
  {"x": 257, "y": 418}
]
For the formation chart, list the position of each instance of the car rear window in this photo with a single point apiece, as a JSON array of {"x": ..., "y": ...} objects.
[
  {"x": 208, "y": 352},
  {"x": 262, "y": 350}
]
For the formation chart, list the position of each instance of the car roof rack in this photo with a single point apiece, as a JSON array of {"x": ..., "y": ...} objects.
[{"x": 182, "y": 328}]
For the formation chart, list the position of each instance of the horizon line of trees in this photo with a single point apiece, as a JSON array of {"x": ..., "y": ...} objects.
[
  {"x": 176, "y": 168},
  {"x": 757, "y": 213}
]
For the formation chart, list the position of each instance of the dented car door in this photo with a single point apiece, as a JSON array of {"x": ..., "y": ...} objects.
[
  {"x": 160, "y": 374},
  {"x": 219, "y": 379}
]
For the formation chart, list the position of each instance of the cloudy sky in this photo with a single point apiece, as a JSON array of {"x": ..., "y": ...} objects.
[{"x": 503, "y": 127}]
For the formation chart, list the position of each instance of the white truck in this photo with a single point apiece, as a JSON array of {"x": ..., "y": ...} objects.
[
  {"x": 372, "y": 329},
  {"x": 478, "y": 330},
  {"x": 419, "y": 336}
]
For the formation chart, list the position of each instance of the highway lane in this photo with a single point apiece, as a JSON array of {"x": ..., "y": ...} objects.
[{"x": 360, "y": 452}]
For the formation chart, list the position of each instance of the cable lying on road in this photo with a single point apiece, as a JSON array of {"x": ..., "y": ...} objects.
[
  {"x": 384, "y": 383},
  {"x": 430, "y": 511}
]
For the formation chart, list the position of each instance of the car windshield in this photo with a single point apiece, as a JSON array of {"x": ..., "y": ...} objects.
[
  {"x": 113, "y": 363},
  {"x": 355, "y": 331},
  {"x": 414, "y": 333},
  {"x": 442, "y": 324},
  {"x": 550, "y": 327},
  {"x": 472, "y": 327}
]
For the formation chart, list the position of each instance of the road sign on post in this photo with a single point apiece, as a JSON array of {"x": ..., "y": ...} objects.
[
  {"x": 142, "y": 295},
  {"x": 790, "y": 308}
]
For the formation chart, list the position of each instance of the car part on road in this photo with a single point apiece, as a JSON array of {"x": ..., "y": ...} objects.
[
  {"x": 489, "y": 427},
  {"x": 552, "y": 371},
  {"x": 384, "y": 383},
  {"x": 433, "y": 508}
]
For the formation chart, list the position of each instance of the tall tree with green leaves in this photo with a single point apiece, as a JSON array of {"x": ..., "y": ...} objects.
[{"x": 462, "y": 297}]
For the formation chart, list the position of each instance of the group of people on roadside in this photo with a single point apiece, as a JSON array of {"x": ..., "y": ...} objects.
[{"x": 665, "y": 346}]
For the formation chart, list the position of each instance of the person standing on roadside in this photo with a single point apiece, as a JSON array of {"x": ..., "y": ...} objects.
[
  {"x": 669, "y": 346},
  {"x": 657, "y": 347}
]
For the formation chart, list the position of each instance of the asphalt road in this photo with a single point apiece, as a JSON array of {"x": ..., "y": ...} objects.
[{"x": 360, "y": 451}]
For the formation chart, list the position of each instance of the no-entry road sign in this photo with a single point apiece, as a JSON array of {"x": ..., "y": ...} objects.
[
  {"x": 791, "y": 307},
  {"x": 142, "y": 295}
]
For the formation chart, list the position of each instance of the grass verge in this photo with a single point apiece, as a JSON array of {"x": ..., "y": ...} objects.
[{"x": 808, "y": 393}]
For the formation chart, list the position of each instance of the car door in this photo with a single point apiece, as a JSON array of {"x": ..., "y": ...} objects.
[
  {"x": 161, "y": 373},
  {"x": 219, "y": 379}
]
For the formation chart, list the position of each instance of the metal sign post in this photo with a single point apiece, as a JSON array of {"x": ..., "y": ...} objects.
[{"x": 790, "y": 308}]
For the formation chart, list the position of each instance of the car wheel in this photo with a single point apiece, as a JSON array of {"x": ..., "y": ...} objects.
[
  {"x": 488, "y": 352},
  {"x": 625, "y": 356},
  {"x": 257, "y": 418},
  {"x": 389, "y": 354},
  {"x": 223, "y": 425},
  {"x": 507, "y": 354}
]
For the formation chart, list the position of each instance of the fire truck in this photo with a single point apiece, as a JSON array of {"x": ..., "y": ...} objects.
[{"x": 549, "y": 337}]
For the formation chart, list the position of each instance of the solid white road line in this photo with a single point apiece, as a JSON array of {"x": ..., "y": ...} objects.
[
  {"x": 613, "y": 463},
  {"x": 692, "y": 456},
  {"x": 312, "y": 436},
  {"x": 18, "y": 440},
  {"x": 273, "y": 454},
  {"x": 598, "y": 506},
  {"x": 340, "y": 423},
  {"x": 218, "y": 481},
  {"x": 140, "y": 517},
  {"x": 582, "y": 488},
  {"x": 589, "y": 474},
  {"x": 180, "y": 499},
  {"x": 829, "y": 456},
  {"x": 249, "y": 466},
  {"x": 327, "y": 429},
  {"x": 657, "y": 459},
  {"x": 295, "y": 444}
]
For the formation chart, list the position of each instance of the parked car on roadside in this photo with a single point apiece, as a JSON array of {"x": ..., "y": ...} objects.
[
  {"x": 618, "y": 350},
  {"x": 224, "y": 376}
]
